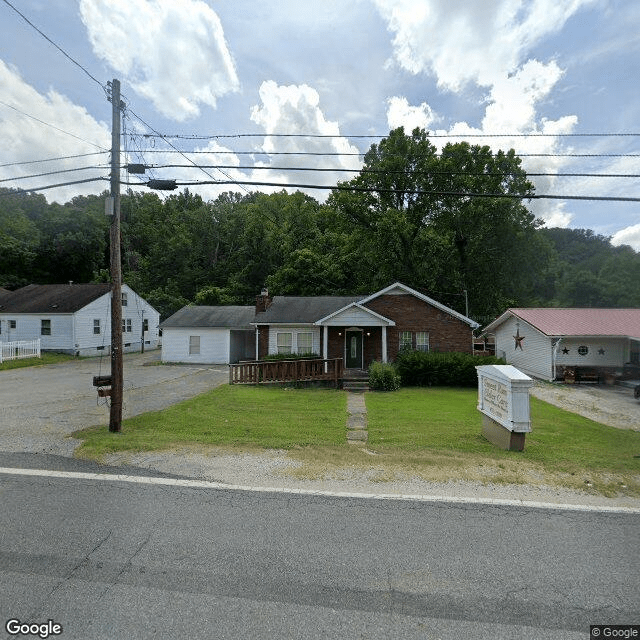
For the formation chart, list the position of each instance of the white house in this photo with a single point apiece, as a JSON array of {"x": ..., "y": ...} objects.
[
  {"x": 545, "y": 343},
  {"x": 220, "y": 335},
  {"x": 76, "y": 318}
]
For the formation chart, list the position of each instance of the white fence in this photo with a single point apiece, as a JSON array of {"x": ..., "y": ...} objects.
[{"x": 19, "y": 349}]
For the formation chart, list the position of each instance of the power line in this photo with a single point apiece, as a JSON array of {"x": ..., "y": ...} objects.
[
  {"x": 214, "y": 136},
  {"x": 12, "y": 192},
  {"x": 51, "y": 173},
  {"x": 385, "y": 172},
  {"x": 412, "y": 191},
  {"x": 62, "y": 51},
  {"x": 27, "y": 115},
  {"x": 78, "y": 155}
]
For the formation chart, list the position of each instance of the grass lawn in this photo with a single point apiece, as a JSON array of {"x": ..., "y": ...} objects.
[
  {"x": 433, "y": 434},
  {"x": 264, "y": 417},
  {"x": 48, "y": 357}
]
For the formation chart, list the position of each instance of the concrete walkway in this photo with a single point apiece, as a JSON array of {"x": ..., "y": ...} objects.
[{"x": 356, "y": 419}]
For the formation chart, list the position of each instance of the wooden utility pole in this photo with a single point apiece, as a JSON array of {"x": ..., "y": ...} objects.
[{"x": 115, "y": 419}]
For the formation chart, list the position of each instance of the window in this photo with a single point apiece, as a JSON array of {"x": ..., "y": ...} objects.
[
  {"x": 124, "y": 299},
  {"x": 45, "y": 327},
  {"x": 96, "y": 327},
  {"x": 422, "y": 341},
  {"x": 194, "y": 345},
  {"x": 126, "y": 325},
  {"x": 406, "y": 340},
  {"x": 0, "y": 326},
  {"x": 12, "y": 324},
  {"x": 305, "y": 342},
  {"x": 145, "y": 324},
  {"x": 284, "y": 342}
]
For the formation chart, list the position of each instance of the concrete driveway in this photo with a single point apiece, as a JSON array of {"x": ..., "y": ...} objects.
[{"x": 40, "y": 406}]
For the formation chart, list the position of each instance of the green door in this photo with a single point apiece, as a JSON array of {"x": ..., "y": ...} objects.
[{"x": 354, "y": 349}]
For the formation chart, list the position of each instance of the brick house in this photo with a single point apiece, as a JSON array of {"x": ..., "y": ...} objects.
[{"x": 360, "y": 329}]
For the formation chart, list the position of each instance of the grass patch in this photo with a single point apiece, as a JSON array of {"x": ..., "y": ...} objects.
[
  {"x": 273, "y": 418},
  {"x": 48, "y": 357}
]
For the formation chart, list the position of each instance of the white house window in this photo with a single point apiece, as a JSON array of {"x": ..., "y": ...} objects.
[
  {"x": 284, "y": 342},
  {"x": 126, "y": 325},
  {"x": 0, "y": 326},
  {"x": 124, "y": 299},
  {"x": 145, "y": 324},
  {"x": 406, "y": 340},
  {"x": 422, "y": 341},
  {"x": 12, "y": 324},
  {"x": 96, "y": 326},
  {"x": 194, "y": 345},
  {"x": 305, "y": 342},
  {"x": 45, "y": 327}
]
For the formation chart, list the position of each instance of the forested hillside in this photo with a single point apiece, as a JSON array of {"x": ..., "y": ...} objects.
[{"x": 397, "y": 220}]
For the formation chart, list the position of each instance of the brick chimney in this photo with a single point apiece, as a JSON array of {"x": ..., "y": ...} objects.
[{"x": 263, "y": 301}]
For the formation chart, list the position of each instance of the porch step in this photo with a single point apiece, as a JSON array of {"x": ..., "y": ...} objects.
[{"x": 355, "y": 386}]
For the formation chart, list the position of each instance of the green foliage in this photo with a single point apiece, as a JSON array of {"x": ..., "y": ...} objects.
[
  {"x": 292, "y": 356},
  {"x": 383, "y": 377},
  {"x": 213, "y": 297},
  {"x": 421, "y": 369}
]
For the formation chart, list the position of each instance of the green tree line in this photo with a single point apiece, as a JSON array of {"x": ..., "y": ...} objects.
[{"x": 401, "y": 219}]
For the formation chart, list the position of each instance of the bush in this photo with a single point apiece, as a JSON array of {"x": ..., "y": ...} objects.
[
  {"x": 292, "y": 356},
  {"x": 383, "y": 377},
  {"x": 420, "y": 369}
]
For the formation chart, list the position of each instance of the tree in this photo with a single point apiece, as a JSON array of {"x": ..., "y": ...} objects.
[{"x": 413, "y": 221}]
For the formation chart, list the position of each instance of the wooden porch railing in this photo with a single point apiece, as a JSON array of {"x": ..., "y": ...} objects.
[{"x": 286, "y": 371}]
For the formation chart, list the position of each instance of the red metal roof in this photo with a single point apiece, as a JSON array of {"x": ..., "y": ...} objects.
[{"x": 583, "y": 322}]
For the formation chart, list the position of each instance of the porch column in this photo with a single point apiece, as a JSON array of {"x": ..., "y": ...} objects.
[
  {"x": 257, "y": 344},
  {"x": 384, "y": 343},
  {"x": 325, "y": 346}
]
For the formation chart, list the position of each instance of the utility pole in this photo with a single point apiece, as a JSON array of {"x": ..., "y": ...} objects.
[{"x": 115, "y": 418}]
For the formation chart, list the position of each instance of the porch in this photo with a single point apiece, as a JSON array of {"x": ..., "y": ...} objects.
[{"x": 277, "y": 371}]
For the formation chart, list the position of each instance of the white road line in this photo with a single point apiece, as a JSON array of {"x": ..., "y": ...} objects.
[{"x": 205, "y": 484}]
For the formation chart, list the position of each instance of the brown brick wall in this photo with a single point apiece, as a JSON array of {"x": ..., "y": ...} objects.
[
  {"x": 446, "y": 333},
  {"x": 263, "y": 341}
]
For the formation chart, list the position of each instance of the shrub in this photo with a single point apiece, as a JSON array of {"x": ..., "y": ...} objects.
[
  {"x": 420, "y": 369},
  {"x": 291, "y": 356},
  {"x": 383, "y": 377}
]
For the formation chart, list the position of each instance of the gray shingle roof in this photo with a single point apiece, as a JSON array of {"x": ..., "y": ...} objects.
[
  {"x": 52, "y": 298},
  {"x": 231, "y": 317},
  {"x": 294, "y": 310}
]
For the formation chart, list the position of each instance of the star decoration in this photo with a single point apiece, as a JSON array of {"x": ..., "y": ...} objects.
[
  {"x": 565, "y": 351},
  {"x": 601, "y": 351},
  {"x": 518, "y": 338}
]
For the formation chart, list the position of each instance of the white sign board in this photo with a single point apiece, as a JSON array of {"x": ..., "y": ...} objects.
[{"x": 503, "y": 396}]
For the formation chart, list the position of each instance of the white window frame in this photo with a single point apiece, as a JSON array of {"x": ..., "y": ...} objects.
[
  {"x": 422, "y": 341},
  {"x": 402, "y": 340},
  {"x": 124, "y": 298},
  {"x": 96, "y": 325},
  {"x": 13, "y": 324},
  {"x": 194, "y": 345},
  {"x": 303, "y": 348},
  {"x": 281, "y": 346},
  {"x": 45, "y": 329}
]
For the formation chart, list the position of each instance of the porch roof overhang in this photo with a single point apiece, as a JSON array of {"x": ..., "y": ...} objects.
[{"x": 355, "y": 314}]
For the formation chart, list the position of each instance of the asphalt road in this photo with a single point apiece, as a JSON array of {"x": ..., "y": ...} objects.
[
  {"x": 111, "y": 559},
  {"x": 43, "y": 405}
]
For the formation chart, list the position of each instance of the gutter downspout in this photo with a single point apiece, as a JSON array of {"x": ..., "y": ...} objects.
[{"x": 554, "y": 355}]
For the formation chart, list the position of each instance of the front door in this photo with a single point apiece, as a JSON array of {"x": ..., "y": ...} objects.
[{"x": 354, "y": 349}]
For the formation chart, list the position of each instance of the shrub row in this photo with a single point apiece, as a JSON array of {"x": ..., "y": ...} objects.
[
  {"x": 420, "y": 369},
  {"x": 383, "y": 377}
]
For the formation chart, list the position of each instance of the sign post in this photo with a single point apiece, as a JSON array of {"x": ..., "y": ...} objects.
[{"x": 503, "y": 399}]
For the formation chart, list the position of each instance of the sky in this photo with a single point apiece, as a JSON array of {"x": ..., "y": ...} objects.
[{"x": 227, "y": 76}]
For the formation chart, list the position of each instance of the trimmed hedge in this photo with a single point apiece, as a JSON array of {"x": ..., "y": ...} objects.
[
  {"x": 383, "y": 377},
  {"x": 420, "y": 369}
]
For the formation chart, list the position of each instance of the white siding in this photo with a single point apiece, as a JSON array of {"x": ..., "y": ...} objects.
[
  {"x": 295, "y": 330},
  {"x": 354, "y": 316},
  {"x": 28, "y": 328},
  {"x": 214, "y": 345},
  {"x": 535, "y": 357},
  {"x": 613, "y": 352}
]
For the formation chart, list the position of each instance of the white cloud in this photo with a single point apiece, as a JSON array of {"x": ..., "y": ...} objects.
[
  {"x": 629, "y": 235},
  {"x": 295, "y": 109},
  {"x": 25, "y": 139},
  {"x": 460, "y": 41},
  {"x": 173, "y": 53},
  {"x": 401, "y": 114}
]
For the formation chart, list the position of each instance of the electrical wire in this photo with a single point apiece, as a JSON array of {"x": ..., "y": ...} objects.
[
  {"x": 78, "y": 155},
  {"x": 13, "y": 192},
  {"x": 48, "y": 124},
  {"x": 62, "y": 51},
  {"x": 51, "y": 173}
]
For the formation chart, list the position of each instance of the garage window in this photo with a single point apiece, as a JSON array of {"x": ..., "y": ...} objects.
[{"x": 194, "y": 345}]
